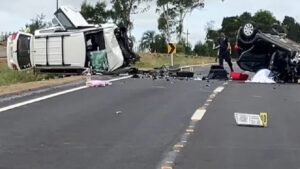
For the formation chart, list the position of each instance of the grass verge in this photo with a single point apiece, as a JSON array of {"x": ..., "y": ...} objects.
[
  {"x": 12, "y": 81},
  {"x": 8, "y": 76},
  {"x": 149, "y": 61}
]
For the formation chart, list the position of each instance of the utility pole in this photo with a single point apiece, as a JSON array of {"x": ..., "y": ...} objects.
[
  {"x": 56, "y": 4},
  {"x": 187, "y": 37}
]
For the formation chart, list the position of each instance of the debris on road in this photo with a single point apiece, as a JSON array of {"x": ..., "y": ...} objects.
[
  {"x": 254, "y": 120},
  {"x": 163, "y": 73},
  {"x": 263, "y": 76},
  {"x": 175, "y": 73},
  {"x": 239, "y": 76},
  {"x": 217, "y": 72},
  {"x": 119, "y": 112},
  {"x": 98, "y": 83}
]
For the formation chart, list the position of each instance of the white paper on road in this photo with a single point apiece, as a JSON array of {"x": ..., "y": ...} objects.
[
  {"x": 244, "y": 119},
  {"x": 263, "y": 76}
]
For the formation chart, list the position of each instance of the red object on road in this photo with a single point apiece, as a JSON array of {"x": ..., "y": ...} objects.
[{"x": 239, "y": 76}]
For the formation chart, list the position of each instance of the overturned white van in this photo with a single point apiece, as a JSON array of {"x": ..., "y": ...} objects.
[{"x": 69, "y": 46}]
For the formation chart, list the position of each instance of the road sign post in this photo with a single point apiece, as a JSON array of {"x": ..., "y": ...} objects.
[{"x": 172, "y": 51}]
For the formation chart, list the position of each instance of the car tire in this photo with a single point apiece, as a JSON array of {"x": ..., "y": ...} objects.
[{"x": 248, "y": 32}]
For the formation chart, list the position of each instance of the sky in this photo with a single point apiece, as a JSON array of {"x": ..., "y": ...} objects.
[{"x": 14, "y": 14}]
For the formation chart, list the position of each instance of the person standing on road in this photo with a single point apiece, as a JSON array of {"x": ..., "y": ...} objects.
[{"x": 224, "y": 51}]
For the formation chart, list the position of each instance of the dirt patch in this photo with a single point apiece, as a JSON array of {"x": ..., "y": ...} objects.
[
  {"x": 3, "y": 61},
  {"x": 23, "y": 87}
]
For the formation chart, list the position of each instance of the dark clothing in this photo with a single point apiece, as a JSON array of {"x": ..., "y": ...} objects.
[
  {"x": 227, "y": 58},
  {"x": 224, "y": 53},
  {"x": 223, "y": 43}
]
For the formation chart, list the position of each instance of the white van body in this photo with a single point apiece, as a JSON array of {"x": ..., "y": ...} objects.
[{"x": 64, "y": 47}]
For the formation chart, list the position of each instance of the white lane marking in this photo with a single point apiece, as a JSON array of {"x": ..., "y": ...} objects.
[
  {"x": 40, "y": 99},
  {"x": 170, "y": 158},
  {"x": 120, "y": 78},
  {"x": 52, "y": 95},
  {"x": 209, "y": 100},
  {"x": 159, "y": 87},
  {"x": 219, "y": 89},
  {"x": 198, "y": 115}
]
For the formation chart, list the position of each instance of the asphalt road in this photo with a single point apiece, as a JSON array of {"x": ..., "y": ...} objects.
[
  {"x": 135, "y": 122},
  {"x": 128, "y": 125},
  {"x": 219, "y": 143}
]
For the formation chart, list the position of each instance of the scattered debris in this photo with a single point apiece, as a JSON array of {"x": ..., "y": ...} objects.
[
  {"x": 164, "y": 73},
  {"x": 255, "y": 120},
  {"x": 239, "y": 76},
  {"x": 119, "y": 112},
  {"x": 218, "y": 73},
  {"x": 175, "y": 73},
  {"x": 263, "y": 76},
  {"x": 98, "y": 83}
]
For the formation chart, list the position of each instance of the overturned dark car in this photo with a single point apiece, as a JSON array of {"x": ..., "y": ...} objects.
[{"x": 258, "y": 50}]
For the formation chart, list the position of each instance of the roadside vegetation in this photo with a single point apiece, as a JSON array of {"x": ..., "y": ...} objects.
[{"x": 8, "y": 76}]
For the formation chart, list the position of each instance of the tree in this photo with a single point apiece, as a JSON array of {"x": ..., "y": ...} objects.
[
  {"x": 264, "y": 20},
  {"x": 147, "y": 41},
  {"x": 154, "y": 42},
  {"x": 123, "y": 9},
  {"x": 201, "y": 49},
  {"x": 175, "y": 10},
  {"x": 160, "y": 44},
  {"x": 230, "y": 25},
  {"x": 245, "y": 17},
  {"x": 292, "y": 28},
  {"x": 95, "y": 14},
  {"x": 36, "y": 23}
]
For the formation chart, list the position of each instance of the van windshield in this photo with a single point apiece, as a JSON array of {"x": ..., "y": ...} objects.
[{"x": 65, "y": 22}]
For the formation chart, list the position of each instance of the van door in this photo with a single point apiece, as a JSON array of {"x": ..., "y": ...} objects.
[{"x": 22, "y": 46}]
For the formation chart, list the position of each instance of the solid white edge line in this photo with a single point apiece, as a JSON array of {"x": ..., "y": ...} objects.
[
  {"x": 120, "y": 78},
  {"x": 13, "y": 106}
]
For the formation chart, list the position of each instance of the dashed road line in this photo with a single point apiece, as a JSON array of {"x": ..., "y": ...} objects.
[
  {"x": 198, "y": 115},
  {"x": 169, "y": 159}
]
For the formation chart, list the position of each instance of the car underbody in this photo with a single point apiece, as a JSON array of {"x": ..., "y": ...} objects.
[{"x": 258, "y": 50}]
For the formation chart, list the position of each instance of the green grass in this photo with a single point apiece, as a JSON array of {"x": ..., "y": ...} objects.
[
  {"x": 149, "y": 61},
  {"x": 8, "y": 76}
]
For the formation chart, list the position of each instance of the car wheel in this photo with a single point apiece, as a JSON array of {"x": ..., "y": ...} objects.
[{"x": 248, "y": 32}]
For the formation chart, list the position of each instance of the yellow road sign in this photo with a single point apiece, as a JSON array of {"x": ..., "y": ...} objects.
[
  {"x": 264, "y": 118},
  {"x": 171, "y": 48}
]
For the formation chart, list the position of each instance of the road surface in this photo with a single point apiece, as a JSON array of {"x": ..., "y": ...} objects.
[
  {"x": 219, "y": 143},
  {"x": 135, "y": 124}
]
